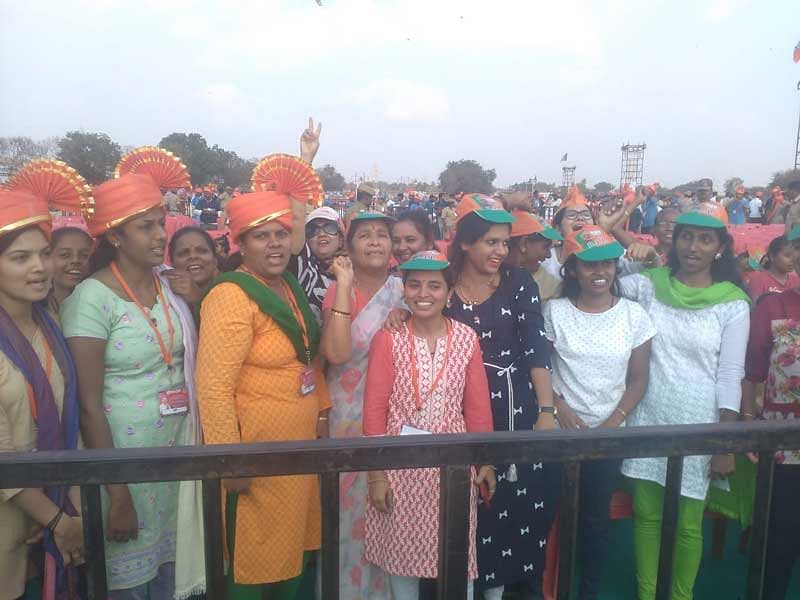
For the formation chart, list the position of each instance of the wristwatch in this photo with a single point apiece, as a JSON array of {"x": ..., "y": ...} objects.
[{"x": 548, "y": 409}]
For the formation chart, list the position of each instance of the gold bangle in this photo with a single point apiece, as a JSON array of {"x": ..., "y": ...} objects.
[
  {"x": 339, "y": 313},
  {"x": 747, "y": 414},
  {"x": 622, "y": 412},
  {"x": 371, "y": 481}
]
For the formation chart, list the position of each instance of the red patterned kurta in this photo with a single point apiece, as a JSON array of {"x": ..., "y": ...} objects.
[{"x": 406, "y": 540}]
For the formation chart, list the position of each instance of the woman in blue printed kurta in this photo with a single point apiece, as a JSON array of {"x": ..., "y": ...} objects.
[{"x": 506, "y": 315}]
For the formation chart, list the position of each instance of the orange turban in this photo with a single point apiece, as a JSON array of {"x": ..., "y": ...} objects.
[
  {"x": 119, "y": 200},
  {"x": 20, "y": 209},
  {"x": 574, "y": 198},
  {"x": 251, "y": 210}
]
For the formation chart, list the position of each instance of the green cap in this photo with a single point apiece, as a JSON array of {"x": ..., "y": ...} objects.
[
  {"x": 366, "y": 215},
  {"x": 427, "y": 260},
  {"x": 485, "y": 207},
  {"x": 705, "y": 214},
  {"x": 592, "y": 244}
]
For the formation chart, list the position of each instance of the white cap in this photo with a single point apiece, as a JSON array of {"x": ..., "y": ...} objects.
[{"x": 326, "y": 213}]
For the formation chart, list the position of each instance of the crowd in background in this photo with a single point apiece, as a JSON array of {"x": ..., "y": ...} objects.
[{"x": 405, "y": 316}]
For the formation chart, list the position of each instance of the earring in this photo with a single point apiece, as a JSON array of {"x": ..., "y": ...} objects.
[
  {"x": 718, "y": 255},
  {"x": 523, "y": 250}
]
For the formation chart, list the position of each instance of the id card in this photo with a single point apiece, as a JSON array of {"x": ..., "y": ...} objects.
[
  {"x": 411, "y": 430},
  {"x": 308, "y": 381},
  {"x": 173, "y": 402}
]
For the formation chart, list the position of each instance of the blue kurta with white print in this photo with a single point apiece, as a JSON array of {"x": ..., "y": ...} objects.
[{"x": 512, "y": 531}]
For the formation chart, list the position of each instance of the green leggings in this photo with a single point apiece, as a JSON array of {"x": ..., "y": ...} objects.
[
  {"x": 648, "y": 502},
  {"x": 281, "y": 590}
]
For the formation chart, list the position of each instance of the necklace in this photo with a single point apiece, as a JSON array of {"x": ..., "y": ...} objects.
[{"x": 492, "y": 285}]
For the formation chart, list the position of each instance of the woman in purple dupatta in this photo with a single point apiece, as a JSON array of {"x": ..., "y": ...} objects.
[{"x": 38, "y": 407}]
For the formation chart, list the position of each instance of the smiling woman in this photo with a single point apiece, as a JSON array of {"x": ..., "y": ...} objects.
[{"x": 38, "y": 404}]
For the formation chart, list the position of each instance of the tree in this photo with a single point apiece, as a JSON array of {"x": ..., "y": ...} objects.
[
  {"x": 582, "y": 185},
  {"x": 466, "y": 176},
  {"x": 731, "y": 185},
  {"x": 783, "y": 178},
  {"x": 332, "y": 180},
  {"x": 93, "y": 155},
  {"x": 603, "y": 187},
  {"x": 234, "y": 170},
  {"x": 193, "y": 150},
  {"x": 16, "y": 151}
]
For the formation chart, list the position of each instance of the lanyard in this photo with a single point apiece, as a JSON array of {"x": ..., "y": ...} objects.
[
  {"x": 48, "y": 370},
  {"x": 287, "y": 291},
  {"x": 166, "y": 354},
  {"x": 414, "y": 378}
]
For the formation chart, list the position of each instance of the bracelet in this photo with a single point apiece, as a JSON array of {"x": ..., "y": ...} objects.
[
  {"x": 339, "y": 313},
  {"x": 622, "y": 412},
  {"x": 55, "y": 520},
  {"x": 371, "y": 481},
  {"x": 747, "y": 414},
  {"x": 322, "y": 418}
]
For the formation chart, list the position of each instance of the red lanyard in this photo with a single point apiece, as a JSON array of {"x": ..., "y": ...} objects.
[
  {"x": 166, "y": 354},
  {"x": 414, "y": 377}
]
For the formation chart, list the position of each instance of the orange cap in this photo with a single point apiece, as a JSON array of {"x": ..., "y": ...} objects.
[
  {"x": 251, "y": 210},
  {"x": 119, "y": 200},
  {"x": 574, "y": 198},
  {"x": 484, "y": 206},
  {"x": 526, "y": 224},
  {"x": 592, "y": 243},
  {"x": 20, "y": 209}
]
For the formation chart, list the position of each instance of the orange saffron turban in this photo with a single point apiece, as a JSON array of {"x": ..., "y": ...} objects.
[
  {"x": 251, "y": 210},
  {"x": 20, "y": 209},
  {"x": 119, "y": 200}
]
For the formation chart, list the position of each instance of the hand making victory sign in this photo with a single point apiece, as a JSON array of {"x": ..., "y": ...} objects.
[{"x": 309, "y": 141}]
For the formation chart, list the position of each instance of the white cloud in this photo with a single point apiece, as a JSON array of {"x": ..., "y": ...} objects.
[{"x": 401, "y": 100}]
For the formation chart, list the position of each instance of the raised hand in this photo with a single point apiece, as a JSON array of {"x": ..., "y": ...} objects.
[
  {"x": 309, "y": 141},
  {"x": 342, "y": 270}
]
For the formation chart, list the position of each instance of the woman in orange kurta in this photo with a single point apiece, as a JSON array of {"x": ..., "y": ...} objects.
[{"x": 258, "y": 380}]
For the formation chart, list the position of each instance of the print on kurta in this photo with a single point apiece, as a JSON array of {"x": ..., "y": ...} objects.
[{"x": 513, "y": 530}]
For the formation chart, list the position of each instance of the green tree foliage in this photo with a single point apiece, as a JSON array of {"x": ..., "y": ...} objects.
[
  {"x": 208, "y": 164},
  {"x": 466, "y": 176},
  {"x": 783, "y": 178},
  {"x": 93, "y": 155},
  {"x": 332, "y": 180},
  {"x": 603, "y": 187}
]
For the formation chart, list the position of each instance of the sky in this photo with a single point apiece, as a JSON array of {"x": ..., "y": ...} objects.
[{"x": 404, "y": 86}]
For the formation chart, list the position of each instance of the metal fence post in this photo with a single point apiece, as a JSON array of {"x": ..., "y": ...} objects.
[
  {"x": 758, "y": 531},
  {"x": 669, "y": 526},
  {"x": 94, "y": 542},
  {"x": 454, "y": 497},
  {"x": 329, "y": 556},
  {"x": 568, "y": 527},
  {"x": 214, "y": 539}
]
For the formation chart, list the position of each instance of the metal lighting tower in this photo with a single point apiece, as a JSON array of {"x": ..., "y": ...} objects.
[
  {"x": 632, "y": 167},
  {"x": 567, "y": 177}
]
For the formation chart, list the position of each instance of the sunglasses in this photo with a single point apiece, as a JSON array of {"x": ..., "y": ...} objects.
[
  {"x": 575, "y": 214},
  {"x": 329, "y": 227}
]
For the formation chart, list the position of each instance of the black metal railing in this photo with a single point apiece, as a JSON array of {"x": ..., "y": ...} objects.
[{"x": 452, "y": 454}]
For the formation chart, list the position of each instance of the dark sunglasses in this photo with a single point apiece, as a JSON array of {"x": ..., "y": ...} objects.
[{"x": 314, "y": 229}]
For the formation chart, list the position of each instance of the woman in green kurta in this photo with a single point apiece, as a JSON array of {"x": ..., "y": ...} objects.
[{"x": 133, "y": 344}]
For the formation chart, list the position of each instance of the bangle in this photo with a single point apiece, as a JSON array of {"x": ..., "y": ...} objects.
[
  {"x": 548, "y": 409},
  {"x": 747, "y": 414},
  {"x": 55, "y": 520},
  {"x": 339, "y": 313},
  {"x": 622, "y": 412},
  {"x": 371, "y": 481},
  {"x": 322, "y": 418}
]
